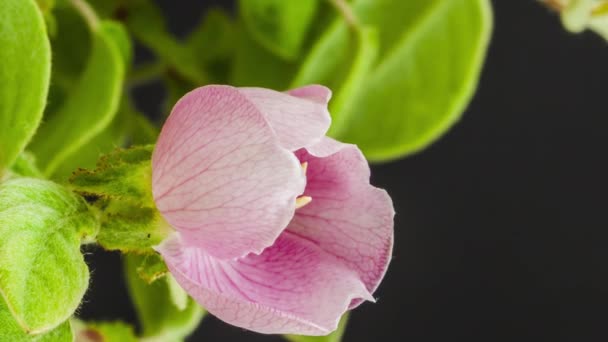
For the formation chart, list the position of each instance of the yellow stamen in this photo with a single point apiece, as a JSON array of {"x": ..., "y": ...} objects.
[
  {"x": 302, "y": 201},
  {"x": 304, "y": 167}
]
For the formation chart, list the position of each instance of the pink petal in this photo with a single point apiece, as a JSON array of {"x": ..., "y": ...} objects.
[
  {"x": 220, "y": 175},
  {"x": 314, "y": 92},
  {"x": 328, "y": 146},
  {"x": 293, "y": 287},
  {"x": 347, "y": 217},
  {"x": 299, "y": 117}
]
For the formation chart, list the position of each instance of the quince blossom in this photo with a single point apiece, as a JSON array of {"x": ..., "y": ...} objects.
[{"x": 277, "y": 228}]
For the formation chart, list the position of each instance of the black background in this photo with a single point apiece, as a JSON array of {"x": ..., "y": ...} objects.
[{"x": 501, "y": 228}]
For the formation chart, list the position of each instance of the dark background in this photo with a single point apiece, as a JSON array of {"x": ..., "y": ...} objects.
[{"x": 501, "y": 227}]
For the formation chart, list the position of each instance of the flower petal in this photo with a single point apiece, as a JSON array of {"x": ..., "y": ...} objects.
[
  {"x": 299, "y": 117},
  {"x": 347, "y": 217},
  {"x": 314, "y": 92},
  {"x": 293, "y": 287},
  {"x": 219, "y": 174}
]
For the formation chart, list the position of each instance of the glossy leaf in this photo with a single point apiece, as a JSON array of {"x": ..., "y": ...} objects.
[
  {"x": 91, "y": 105},
  {"x": 279, "y": 25},
  {"x": 43, "y": 275},
  {"x": 430, "y": 54},
  {"x": 11, "y": 331},
  {"x": 24, "y": 74},
  {"x": 159, "y": 316}
]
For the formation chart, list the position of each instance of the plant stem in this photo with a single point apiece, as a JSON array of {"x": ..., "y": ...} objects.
[
  {"x": 87, "y": 13},
  {"x": 347, "y": 13},
  {"x": 145, "y": 73}
]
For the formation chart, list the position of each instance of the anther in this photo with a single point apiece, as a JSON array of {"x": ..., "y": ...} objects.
[{"x": 302, "y": 201}]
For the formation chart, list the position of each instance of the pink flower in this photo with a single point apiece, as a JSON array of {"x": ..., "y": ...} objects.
[{"x": 277, "y": 227}]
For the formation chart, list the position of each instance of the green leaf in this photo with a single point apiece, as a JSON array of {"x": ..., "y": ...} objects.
[
  {"x": 71, "y": 48},
  {"x": 124, "y": 174},
  {"x": 91, "y": 105},
  {"x": 121, "y": 188},
  {"x": 279, "y": 25},
  {"x": 128, "y": 127},
  {"x": 11, "y": 331},
  {"x": 24, "y": 74},
  {"x": 361, "y": 50},
  {"x": 104, "y": 331},
  {"x": 86, "y": 156},
  {"x": 159, "y": 316},
  {"x": 254, "y": 65},
  {"x": 336, "y": 336},
  {"x": 130, "y": 228},
  {"x": 213, "y": 43},
  {"x": 46, "y": 7},
  {"x": 430, "y": 54},
  {"x": 152, "y": 268},
  {"x": 121, "y": 39},
  {"x": 107, "y": 8},
  {"x": 43, "y": 275},
  {"x": 25, "y": 166}
]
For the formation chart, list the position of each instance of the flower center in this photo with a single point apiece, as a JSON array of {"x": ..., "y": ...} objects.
[{"x": 303, "y": 200}]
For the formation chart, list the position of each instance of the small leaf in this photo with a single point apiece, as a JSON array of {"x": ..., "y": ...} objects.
[
  {"x": 279, "y": 25},
  {"x": 430, "y": 54},
  {"x": 90, "y": 107},
  {"x": 104, "y": 332},
  {"x": 121, "y": 188},
  {"x": 336, "y": 336},
  {"x": 124, "y": 174},
  {"x": 131, "y": 229},
  {"x": 11, "y": 331},
  {"x": 160, "y": 318},
  {"x": 25, "y": 72},
  {"x": 152, "y": 268},
  {"x": 43, "y": 275}
]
